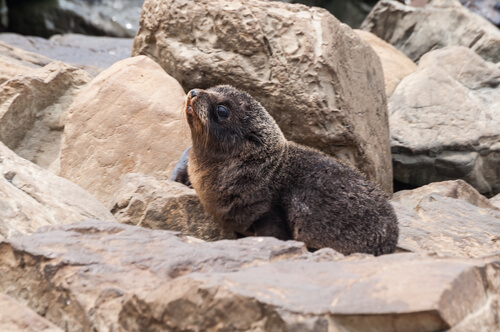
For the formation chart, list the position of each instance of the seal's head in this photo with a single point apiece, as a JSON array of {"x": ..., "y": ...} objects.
[{"x": 228, "y": 121}]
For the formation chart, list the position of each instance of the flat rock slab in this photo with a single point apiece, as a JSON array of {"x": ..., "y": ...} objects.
[
  {"x": 296, "y": 60},
  {"x": 449, "y": 219},
  {"x": 31, "y": 197},
  {"x": 444, "y": 121},
  {"x": 440, "y": 23},
  {"x": 103, "y": 276},
  {"x": 163, "y": 204},
  {"x": 90, "y": 53},
  {"x": 15, "y": 317}
]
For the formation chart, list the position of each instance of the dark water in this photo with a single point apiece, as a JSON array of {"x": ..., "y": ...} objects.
[{"x": 120, "y": 18}]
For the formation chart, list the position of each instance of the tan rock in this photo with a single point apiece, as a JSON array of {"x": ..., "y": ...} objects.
[
  {"x": 395, "y": 64},
  {"x": 15, "y": 61},
  {"x": 440, "y": 23},
  {"x": 495, "y": 201},
  {"x": 31, "y": 197},
  {"x": 321, "y": 83},
  {"x": 162, "y": 204},
  {"x": 444, "y": 121},
  {"x": 447, "y": 218},
  {"x": 103, "y": 276},
  {"x": 15, "y": 317},
  {"x": 129, "y": 119},
  {"x": 33, "y": 108}
]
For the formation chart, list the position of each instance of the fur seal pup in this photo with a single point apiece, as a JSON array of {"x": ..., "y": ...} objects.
[{"x": 250, "y": 178}]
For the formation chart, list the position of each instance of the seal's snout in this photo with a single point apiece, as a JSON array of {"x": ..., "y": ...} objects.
[{"x": 193, "y": 93}]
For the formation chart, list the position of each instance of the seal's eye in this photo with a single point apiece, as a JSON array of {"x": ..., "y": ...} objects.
[{"x": 222, "y": 112}]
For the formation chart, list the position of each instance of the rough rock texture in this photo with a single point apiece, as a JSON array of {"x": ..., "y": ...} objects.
[
  {"x": 128, "y": 119},
  {"x": 162, "y": 204},
  {"x": 33, "y": 109},
  {"x": 14, "y": 61},
  {"x": 108, "y": 277},
  {"x": 495, "y": 201},
  {"x": 416, "y": 31},
  {"x": 321, "y": 83},
  {"x": 445, "y": 121},
  {"x": 448, "y": 218},
  {"x": 490, "y": 9},
  {"x": 90, "y": 53},
  {"x": 15, "y": 317},
  {"x": 395, "y": 64},
  {"x": 31, "y": 197}
]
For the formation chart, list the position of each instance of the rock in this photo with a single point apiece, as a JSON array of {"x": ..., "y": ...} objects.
[
  {"x": 297, "y": 61},
  {"x": 447, "y": 218},
  {"x": 444, "y": 121},
  {"x": 15, "y": 317},
  {"x": 31, "y": 197},
  {"x": 495, "y": 201},
  {"x": 33, "y": 110},
  {"x": 162, "y": 204},
  {"x": 103, "y": 276},
  {"x": 117, "y": 18},
  {"x": 90, "y": 53},
  {"x": 14, "y": 61},
  {"x": 129, "y": 119},
  {"x": 441, "y": 23},
  {"x": 395, "y": 64},
  {"x": 490, "y": 9}
]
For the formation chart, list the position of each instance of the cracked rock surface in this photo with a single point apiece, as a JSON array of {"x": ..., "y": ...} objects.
[
  {"x": 321, "y": 83},
  {"x": 445, "y": 121},
  {"x": 108, "y": 276},
  {"x": 447, "y": 218}
]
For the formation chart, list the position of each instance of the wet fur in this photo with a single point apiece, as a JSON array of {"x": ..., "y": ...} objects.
[{"x": 249, "y": 177}]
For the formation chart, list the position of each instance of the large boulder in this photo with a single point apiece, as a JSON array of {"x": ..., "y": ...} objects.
[
  {"x": 15, "y": 61},
  {"x": 129, "y": 119},
  {"x": 33, "y": 109},
  {"x": 90, "y": 53},
  {"x": 395, "y": 64},
  {"x": 444, "y": 121},
  {"x": 162, "y": 204},
  {"x": 495, "y": 201},
  {"x": 322, "y": 84},
  {"x": 440, "y": 23},
  {"x": 15, "y": 317},
  {"x": 31, "y": 197},
  {"x": 449, "y": 219},
  {"x": 107, "y": 277}
]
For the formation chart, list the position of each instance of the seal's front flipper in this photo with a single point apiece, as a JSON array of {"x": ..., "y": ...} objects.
[
  {"x": 272, "y": 224},
  {"x": 180, "y": 172}
]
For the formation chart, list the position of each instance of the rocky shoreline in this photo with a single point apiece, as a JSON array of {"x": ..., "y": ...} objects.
[{"x": 94, "y": 237}]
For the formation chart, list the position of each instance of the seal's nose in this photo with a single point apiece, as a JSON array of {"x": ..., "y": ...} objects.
[{"x": 193, "y": 93}]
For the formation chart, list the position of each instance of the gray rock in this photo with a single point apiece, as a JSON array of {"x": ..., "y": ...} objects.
[
  {"x": 91, "y": 53},
  {"x": 440, "y": 23},
  {"x": 448, "y": 219},
  {"x": 31, "y": 197},
  {"x": 444, "y": 121},
  {"x": 117, "y": 18},
  {"x": 296, "y": 60},
  {"x": 495, "y": 201},
  {"x": 162, "y": 204},
  {"x": 102, "y": 276}
]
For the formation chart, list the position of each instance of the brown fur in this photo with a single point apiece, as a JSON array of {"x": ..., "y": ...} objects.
[{"x": 249, "y": 177}]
